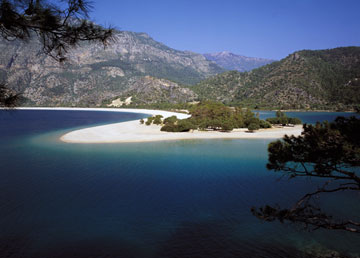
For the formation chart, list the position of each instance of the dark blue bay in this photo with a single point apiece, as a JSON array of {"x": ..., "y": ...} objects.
[{"x": 163, "y": 199}]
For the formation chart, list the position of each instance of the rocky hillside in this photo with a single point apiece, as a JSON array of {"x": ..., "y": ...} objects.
[
  {"x": 323, "y": 79},
  {"x": 93, "y": 74},
  {"x": 230, "y": 61},
  {"x": 150, "y": 90},
  {"x": 137, "y": 69}
]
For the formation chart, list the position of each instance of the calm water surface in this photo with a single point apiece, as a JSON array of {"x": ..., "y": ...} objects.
[{"x": 163, "y": 199}]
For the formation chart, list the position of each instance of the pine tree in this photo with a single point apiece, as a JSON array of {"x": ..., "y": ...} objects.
[{"x": 58, "y": 29}]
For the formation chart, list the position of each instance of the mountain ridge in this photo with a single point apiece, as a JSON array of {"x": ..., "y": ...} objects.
[
  {"x": 139, "y": 68},
  {"x": 306, "y": 79},
  {"x": 231, "y": 61},
  {"x": 93, "y": 74}
]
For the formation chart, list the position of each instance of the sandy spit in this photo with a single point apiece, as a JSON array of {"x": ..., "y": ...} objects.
[{"x": 133, "y": 131}]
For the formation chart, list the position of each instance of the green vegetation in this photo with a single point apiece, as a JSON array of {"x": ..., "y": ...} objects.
[
  {"x": 264, "y": 124},
  {"x": 170, "y": 120},
  {"x": 221, "y": 87},
  {"x": 328, "y": 152},
  {"x": 253, "y": 126},
  {"x": 157, "y": 120},
  {"x": 176, "y": 72},
  {"x": 209, "y": 115},
  {"x": 322, "y": 79},
  {"x": 149, "y": 120},
  {"x": 282, "y": 119},
  {"x": 212, "y": 116},
  {"x": 173, "y": 124},
  {"x": 184, "y": 125}
]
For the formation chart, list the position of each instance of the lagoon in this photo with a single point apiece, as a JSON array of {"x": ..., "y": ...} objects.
[{"x": 188, "y": 198}]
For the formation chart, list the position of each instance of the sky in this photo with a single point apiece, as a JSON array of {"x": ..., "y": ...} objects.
[{"x": 257, "y": 28}]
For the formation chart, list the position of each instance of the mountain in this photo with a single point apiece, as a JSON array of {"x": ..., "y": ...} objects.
[
  {"x": 150, "y": 90},
  {"x": 321, "y": 79},
  {"x": 92, "y": 74},
  {"x": 230, "y": 61},
  {"x": 139, "y": 70}
]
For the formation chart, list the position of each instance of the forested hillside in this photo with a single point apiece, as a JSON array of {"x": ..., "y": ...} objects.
[{"x": 322, "y": 79}]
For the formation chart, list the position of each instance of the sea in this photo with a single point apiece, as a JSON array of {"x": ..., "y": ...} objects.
[{"x": 171, "y": 199}]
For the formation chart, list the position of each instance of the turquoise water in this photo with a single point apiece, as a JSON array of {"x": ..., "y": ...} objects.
[{"x": 163, "y": 199}]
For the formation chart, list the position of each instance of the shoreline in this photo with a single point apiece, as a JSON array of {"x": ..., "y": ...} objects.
[
  {"x": 129, "y": 132},
  {"x": 134, "y": 132},
  {"x": 120, "y": 110},
  {"x": 133, "y": 109}
]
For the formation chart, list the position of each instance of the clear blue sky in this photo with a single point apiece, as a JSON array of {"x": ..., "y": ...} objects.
[{"x": 258, "y": 28}]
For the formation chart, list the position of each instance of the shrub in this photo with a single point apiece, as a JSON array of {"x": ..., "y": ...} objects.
[
  {"x": 171, "y": 119},
  {"x": 169, "y": 128},
  {"x": 273, "y": 120},
  {"x": 239, "y": 121},
  {"x": 227, "y": 126},
  {"x": 283, "y": 120},
  {"x": 149, "y": 120},
  {"x": 252, "y": 120},
  {"x": 142, "y": 121},
  {"x": 185, "y": 125},
  {"x": 264, "y": 124},
  {"x": 253, "y": 126},
  {"x": 294, "y": 121},
  {"x": 157, "y": 120}
]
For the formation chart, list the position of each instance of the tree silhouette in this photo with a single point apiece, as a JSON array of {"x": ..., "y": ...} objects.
[
  {"x": 328, "y": 151},
  {"x": 58, "y": 27}
]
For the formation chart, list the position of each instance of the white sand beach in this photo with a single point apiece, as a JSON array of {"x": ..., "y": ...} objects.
[{"x": 133, "y": 131}]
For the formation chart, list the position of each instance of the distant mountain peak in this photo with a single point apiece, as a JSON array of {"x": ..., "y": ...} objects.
[
  {"x": 224, "y": 53},
  {"x": 231, "y": 61}
]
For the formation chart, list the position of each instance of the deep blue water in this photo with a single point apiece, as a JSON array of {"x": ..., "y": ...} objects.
[{"x": 163, "y": 199}]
